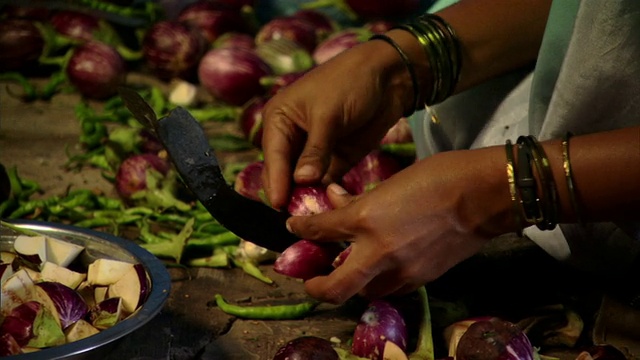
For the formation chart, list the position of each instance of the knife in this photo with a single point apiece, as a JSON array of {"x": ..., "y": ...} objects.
[{"x": 188, "y": 147}]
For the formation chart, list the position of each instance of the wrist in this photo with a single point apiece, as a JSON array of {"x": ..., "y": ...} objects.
[{"x": 403, "y": 71}]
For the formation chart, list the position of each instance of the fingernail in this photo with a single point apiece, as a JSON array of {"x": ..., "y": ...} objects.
[
  {"x": 288, "y": 227},
  {"x": 306, "y": 171},
  {"x": 337, "y": 189}
]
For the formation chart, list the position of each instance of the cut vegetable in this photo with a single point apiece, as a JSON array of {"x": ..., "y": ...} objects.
[
  {"x": 107, "y": 271},
  {"x": 79, "y": 330},
  {"x": 63, "y": 302},
  {"x": 62, "y": 275},
  {"x": 32, "y": 249},
  {"x": 106, "y": 314},
  {"x": 6, "y": 270},
  {"x": 62, "y": 252},
  {"x": 18, "y": 289},
  {"x": 133, "y": 288}
]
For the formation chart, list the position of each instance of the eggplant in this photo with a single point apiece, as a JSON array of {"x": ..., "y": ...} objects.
[
  {"x": 307, "y": 348},
  {"x": 381, "y": 322},
  {"x": 494, "y": 339}
]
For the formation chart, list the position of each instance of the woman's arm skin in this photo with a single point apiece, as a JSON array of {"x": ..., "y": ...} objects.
[
  {"x": 418, "y": 224},
  {"x": 321, "y": 125}
]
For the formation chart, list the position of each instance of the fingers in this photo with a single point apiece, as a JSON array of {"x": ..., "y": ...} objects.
[
  {"x": 281, "y": 140},
  {"x": 338, "y": 196},
  {"x": 316, "y": 154},
  {"x": 343, "y": 282}
]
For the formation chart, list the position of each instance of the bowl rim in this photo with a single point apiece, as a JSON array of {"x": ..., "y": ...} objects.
[{"x": 160, "y": 289}]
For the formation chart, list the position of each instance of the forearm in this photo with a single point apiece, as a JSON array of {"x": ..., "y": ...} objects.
[
  {"x": 496, "y": 36},
  {"x": 605, "y": 170},
  {"x": 606, "y": 174}
]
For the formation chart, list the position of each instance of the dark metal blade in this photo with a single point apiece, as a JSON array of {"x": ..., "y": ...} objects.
[
  {"x": 196, "y": 162},
  {"x": 139, "y": 108}
]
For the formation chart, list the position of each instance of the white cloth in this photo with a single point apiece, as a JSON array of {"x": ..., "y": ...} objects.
[{"x": 586, "y": 79}]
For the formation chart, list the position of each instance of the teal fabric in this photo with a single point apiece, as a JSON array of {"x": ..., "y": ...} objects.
[
  {"x": 553, "y": 50},
  {"x": 586, "y": 79}
]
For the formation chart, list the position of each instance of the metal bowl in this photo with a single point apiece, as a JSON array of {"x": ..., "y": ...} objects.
[{"x": 98, "y": 245}]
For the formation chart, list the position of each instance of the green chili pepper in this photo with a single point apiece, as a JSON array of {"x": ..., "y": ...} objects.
[
  {"x": 219, "y": 259},
  {"x": 29, "y": 92},
  {"x": 93, "y": 133},
  {"x": 8, "y": 206},
  {"x": 251, "y": 269},
  {"x": 274, "y": 312},
  {"x": 51, "y": 88},
  {"x": 157, "y": 101},
  {"x": 95, "y": 222}
]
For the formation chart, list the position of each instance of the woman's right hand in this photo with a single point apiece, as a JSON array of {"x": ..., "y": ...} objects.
[{"x": 318, "y": 127}]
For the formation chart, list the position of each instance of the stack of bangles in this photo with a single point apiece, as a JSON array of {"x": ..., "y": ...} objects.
[
  {"x": 443, "y": 52},
  {"x": 536, "y": 200}
]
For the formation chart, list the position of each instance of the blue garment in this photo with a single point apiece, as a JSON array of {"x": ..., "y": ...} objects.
[{"x": 586, "y": 79}]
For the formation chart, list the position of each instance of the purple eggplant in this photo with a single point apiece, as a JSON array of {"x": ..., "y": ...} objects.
[
  {"x": 307, "y": 259},
  {"x": 212, "y": 19},
  {"x": 172, "y": 49},
  {"x": 494, "y": 339},
  {"x": 380, "y": 322},
  {"x": 21, "y": 44},
  {"x": 308, "y": 200},
  {"x": 339, "y": 42},
  {"x": 132, "y": 173},
  {"x": 292, "y": 28},
  {"x": 233, "y": 75},
  {"x": 307, "y": 348},
  {"x": 96, "y": 70},
  {"x": 374, "y": 168},
  {"x": 251, "y": 120}
]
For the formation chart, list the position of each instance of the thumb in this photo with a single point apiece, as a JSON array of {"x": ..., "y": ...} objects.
[
  {"x": 326, "y": 227},
  {"x": 338, "y": 196}
]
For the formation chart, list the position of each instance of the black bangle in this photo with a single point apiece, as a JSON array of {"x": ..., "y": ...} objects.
[
  {"x": 526, "y": 183},
  {"x": 548, "y": 207},
  {"x": 409, "y": 66}
]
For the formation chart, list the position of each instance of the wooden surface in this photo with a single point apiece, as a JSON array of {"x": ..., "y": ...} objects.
[{"x": 35, "y": 137}]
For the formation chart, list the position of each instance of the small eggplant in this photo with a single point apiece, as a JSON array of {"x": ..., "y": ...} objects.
[
  {"x": 494, "y": 339},
  {"x": 381, "y": 322},
  {"x": 307, "y": 348}
]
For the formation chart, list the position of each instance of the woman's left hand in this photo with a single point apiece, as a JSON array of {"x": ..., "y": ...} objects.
[{"x": 414, "y": 226}]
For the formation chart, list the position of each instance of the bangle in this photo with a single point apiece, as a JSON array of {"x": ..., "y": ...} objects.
[
  {"x": 526, "y": 185},
  {"x": 409, "y": 66},
  {"x": 568, "y": 175},
  {"x": 443, "y": 51},
  {"x": 548, "y": 207},
  {"x": 511, "y": 177}
]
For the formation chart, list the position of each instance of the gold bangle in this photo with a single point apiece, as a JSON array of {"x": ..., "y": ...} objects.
[
  {"x": 515, "y": 197},
  {"x": 568, "y": 175}
]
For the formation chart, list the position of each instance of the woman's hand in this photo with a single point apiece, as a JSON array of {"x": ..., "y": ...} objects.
[
  {"x": 320, "y": 126},
  {"x": 413, "y": 227}
]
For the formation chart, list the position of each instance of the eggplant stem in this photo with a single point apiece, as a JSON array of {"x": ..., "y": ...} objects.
[
  {"x": 424, "y": 348},
  {"x": 339, "y": 4}
]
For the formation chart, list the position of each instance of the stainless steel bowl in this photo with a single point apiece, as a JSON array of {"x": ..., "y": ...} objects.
[{"x": 98, "y": 245}]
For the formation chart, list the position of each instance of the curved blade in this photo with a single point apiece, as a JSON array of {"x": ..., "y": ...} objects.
[
  {"x": 139, "y": 107},
  {"x": 196, "y": 162}
]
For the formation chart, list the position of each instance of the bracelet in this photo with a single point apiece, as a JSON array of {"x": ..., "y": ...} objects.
[
  {"x": 547, "y": 209},
  {"x": 409, "y": 66},
  {"x": 568, "y": 175},
  {"x": 527, "y": 186},
  {"x": 443, "y": 51},
  {"x": 511, "y": 177}
]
